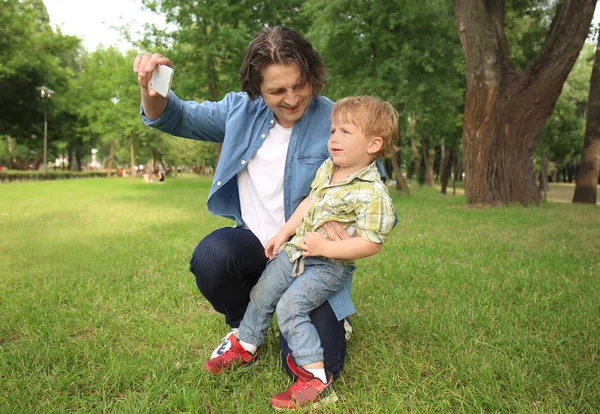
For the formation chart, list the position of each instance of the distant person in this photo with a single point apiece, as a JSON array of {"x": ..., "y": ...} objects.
[
  {"x": 274, "y": 135},
  {"x": 161, "y": 176},
  {"x": 310, "y": 268}
]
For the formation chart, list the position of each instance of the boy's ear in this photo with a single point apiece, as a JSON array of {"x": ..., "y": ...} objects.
[{"x": 375, "y": 145}]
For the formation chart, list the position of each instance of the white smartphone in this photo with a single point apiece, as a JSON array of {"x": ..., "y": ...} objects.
[{"x": 162, "y": 76}]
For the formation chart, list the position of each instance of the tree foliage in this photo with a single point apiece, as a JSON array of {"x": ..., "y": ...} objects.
[
  {"x": 32, "y": 55},
  {"x": 562, "y": 136},
  {"x": 403, "y": 51},
  {"x": 207, "y": 40},
  {"x": 407, "y": 52}
]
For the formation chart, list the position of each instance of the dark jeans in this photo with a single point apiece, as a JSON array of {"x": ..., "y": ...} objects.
[{"x": 227, "y": 264}]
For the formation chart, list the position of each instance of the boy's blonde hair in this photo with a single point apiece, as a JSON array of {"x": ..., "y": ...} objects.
[{"x": 375, "y": 118}]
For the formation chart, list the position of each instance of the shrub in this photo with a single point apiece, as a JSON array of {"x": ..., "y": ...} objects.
[{"x": 17, "y": 175}]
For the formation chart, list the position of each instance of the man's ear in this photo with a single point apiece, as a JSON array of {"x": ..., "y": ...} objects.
[{"x": 375, "y": 145}]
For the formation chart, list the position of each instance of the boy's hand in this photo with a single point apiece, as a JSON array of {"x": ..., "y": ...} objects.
[
  {"x": 273, "y": 246},
  {"x": 314, "y": 244}
]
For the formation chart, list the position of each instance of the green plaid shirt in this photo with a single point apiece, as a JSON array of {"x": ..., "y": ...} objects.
[{"x": 361, "y": 204}]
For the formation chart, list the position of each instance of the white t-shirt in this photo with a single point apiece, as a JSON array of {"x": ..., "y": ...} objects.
[{"x": 260, "y": 185}]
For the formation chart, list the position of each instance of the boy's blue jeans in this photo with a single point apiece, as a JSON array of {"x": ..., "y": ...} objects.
[
  {"x": 228, "y": 262},
  {"x": 293, "y": 299}
]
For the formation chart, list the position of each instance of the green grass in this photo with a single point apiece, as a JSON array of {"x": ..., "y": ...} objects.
[
  {"x": 464, "y": 310},
  {"x": 563, "y": 193}
]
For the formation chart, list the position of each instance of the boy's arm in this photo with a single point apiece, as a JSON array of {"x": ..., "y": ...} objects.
[
  {"x": 315, "y": 244},
  {"x": 290, "y": 226},
  {"x": 288, "y": 229}
]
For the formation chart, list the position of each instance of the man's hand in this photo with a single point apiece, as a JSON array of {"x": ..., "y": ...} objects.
[
  {"x": 154, "y": 104},
  {"x": 314, "y": 244},
  {"x": 143, "y": 65},
  {"x": 335, "y": 231}
]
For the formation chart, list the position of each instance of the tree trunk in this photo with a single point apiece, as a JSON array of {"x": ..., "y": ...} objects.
[
  {"x": 401, "y": 186},
  {"x": 12, "y": 162},
  {"x": 415, "y": 154},
  {"x": 446, "y": 168},
  {"x": 570, "y": 174},
  {"x": 442, "y": 155},
  {"x": 70, "y": 157},
  {"x": 78, "y": 159},
  {"x": 111, "y": 153},
  {"x": 132, "y": 157},
  {"x": 154, "y": 162},
  {"x": 428, "y": 159},
  {"x": 457, "y": 174},
  {"x": 505, "y": 110},
  {"x": 589, "y": 169},
  {"x": 543, "y": 179},
  {"x": 164, "y": 165}
]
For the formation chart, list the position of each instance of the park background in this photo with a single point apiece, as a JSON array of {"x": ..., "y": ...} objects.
[{"x": 468, "y": 308}]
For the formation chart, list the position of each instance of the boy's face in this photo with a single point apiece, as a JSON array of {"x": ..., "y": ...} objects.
[
  {"x": 348, "y": 146},
  {"x": 283, "y": 95}
]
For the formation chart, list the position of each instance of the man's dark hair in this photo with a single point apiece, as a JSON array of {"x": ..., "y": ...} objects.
[{"x": 280, "y": 45}]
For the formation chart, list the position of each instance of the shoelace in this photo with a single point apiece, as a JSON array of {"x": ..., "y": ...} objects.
[
  {"x": 300, "y": 386},
  {"x": 229, "y": 355},
  {"x": 224, "y": 342},
  {"x": 226, "y": 337}
]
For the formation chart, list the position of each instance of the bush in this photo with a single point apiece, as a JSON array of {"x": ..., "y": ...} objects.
[{"x": 17, "y": 175}]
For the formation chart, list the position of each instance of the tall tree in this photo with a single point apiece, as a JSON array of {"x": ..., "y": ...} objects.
[
  {"x": 109, "y": 103},
  {"x": 407, "y": 52},
  {"x": 561, "y": 138},
  {"x": 505, "y": 108},
  {"x": 589, "y": 169},
  {"x": 31, "y": 55}
]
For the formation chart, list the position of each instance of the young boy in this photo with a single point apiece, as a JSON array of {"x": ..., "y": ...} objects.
[{"x": 347, "y": 188}]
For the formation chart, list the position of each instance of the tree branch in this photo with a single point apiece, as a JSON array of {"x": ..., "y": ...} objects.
[{"x": 568, "y": 30}]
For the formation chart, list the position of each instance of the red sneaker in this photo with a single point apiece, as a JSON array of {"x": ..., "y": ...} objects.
[
  {"x": 306, "y": 390},
  {"x": 236, "y": 355}
]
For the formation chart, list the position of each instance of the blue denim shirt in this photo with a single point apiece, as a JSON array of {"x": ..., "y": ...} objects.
[{"x": 242, "y": 125}]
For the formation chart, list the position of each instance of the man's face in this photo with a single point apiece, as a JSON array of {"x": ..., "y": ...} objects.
[{"x": 283, "y": 95}]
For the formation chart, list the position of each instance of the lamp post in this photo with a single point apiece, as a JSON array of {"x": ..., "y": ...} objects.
[{"x": 45, "y": 93}]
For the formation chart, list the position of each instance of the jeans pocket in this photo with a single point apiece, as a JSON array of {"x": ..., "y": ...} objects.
[{"x": 331, "y": 279}]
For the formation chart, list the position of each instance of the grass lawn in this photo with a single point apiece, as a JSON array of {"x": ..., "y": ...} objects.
[{"x": 464, "y": 310}]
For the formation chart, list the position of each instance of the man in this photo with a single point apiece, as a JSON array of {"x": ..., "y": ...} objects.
[{"x": 274, "y": 135}]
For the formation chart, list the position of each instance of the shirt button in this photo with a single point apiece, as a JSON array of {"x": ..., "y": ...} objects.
[
  {"x": 218, "y": 182},
  {"x": 272, "y": 122},
  {"x": 263, "y": 136},
  {"x": 243, "y": 162}
]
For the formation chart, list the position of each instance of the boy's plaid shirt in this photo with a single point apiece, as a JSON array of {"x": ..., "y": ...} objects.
[{"x": 361, "y": 203}]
